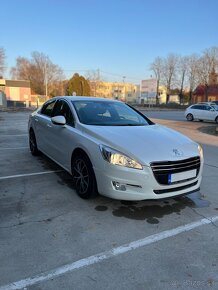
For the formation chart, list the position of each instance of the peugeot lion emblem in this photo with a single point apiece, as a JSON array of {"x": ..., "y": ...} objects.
[{"x": 177, "y": 152}]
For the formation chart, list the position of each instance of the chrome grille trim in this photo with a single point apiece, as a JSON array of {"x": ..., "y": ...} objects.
[{"x": 161, "y": 169}]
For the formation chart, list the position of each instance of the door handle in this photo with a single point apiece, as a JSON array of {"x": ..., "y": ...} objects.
[
  {"x": 49, "y": 126},
  {"x": 35, "y": 119}
]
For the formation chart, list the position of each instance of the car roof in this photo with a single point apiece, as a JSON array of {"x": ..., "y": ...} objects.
[
  {"x": 206, "y": 103},
  {"x": 82, "y": 98}
]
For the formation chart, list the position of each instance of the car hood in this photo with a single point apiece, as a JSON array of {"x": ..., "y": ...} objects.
[{"x": 144, "y": 143}]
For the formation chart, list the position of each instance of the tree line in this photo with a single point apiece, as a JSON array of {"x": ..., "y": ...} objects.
[
  {"x": 184, "y": 73},
  {"x": 179, "y": 74},
  {"x": 46, "y": 78}
]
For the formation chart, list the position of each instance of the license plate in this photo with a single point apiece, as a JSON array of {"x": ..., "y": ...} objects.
[{"x": 181, "y": 176}]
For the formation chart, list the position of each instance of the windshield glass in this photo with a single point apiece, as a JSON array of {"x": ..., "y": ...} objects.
[
  {"x": 104, "y": 113},
  {"x": 215, "y": 107}
]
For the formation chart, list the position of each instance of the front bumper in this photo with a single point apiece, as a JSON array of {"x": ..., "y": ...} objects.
[{"x": 140, "y": 184}]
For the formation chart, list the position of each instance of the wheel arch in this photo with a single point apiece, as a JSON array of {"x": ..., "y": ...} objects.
[
  {"x": 80, "y": 151},
  {"x": 31, "y": 129}
]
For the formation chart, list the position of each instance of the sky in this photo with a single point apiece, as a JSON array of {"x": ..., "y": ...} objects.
[{"x": 118, "y": 37}]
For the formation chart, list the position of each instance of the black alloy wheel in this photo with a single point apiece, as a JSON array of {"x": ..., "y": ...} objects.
[
  {"x": 32, "y": 143},
  {"x": 190, "y": 117},
  {"x": 84, "y": 177}
]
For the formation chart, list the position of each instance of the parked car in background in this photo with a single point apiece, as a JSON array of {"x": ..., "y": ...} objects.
[
  {"x": 201, "y": 112},
  {"x": 207, "y": 103},
  {"x": 111, "y": 148}
]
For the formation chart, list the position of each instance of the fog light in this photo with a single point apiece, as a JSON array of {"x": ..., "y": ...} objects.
[{"x": 119, "y": 186}]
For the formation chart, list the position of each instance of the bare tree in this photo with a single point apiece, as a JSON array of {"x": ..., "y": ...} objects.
[
  {"x": 192, "y": 74},
  {"x": 157, "y": 68},
  {"x": 169, "y": 72},
  {"x": 2, "y": 61},
  {"x": 94, "y": 78},
  {"x": 22, "y": 69},
  {"x": 181, "y": 75},
  {"x": 42, "y": 73},
  {"x": 206, "y": 64}
]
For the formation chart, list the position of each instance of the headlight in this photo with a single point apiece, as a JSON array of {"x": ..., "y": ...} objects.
[
  {"x": 200, "y": 150},
  {"x": 117, "y": 158}
]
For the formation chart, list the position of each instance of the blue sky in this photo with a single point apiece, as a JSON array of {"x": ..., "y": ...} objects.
[{"x": 121, "y": 37}]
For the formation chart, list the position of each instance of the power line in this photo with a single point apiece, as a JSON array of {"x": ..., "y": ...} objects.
[
  {"x": 101, "y": 71},
  {"x": 127, "y": 77}
]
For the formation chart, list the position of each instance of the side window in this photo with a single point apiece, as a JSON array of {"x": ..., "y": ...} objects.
[
  {"x": 57, "y": 108},
  {"x": 62, "y": 109},
  {"x": 201, "y": 108},
  {"x": 47, "y": 108},
  {"x": 194, "y": 107}
]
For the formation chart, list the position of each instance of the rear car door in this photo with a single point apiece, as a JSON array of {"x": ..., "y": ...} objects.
[
  {"x": 200, "y": 112},
  {"x": 42, "y": 123},
  {"x": 194, "y": 110}
]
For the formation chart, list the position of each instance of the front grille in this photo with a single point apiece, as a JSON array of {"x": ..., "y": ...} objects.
[{"x": 162, "y": 169}]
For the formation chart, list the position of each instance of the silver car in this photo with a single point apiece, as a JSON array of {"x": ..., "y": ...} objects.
[
  {"x": 202, "y": 112},
  {"x": 111, "y": 148}
]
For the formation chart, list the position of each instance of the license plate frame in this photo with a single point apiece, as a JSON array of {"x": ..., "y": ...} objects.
[{"x": 180, "y": 176}]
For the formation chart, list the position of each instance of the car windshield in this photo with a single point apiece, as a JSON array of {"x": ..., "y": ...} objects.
[
  {"x": 106, "y": 113},
  {"x": 215, "y": 107}
]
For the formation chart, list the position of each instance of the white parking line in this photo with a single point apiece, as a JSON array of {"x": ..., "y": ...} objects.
[
  {"x": 29, "y": 174},
  {"x": 16, "y": 148},
  {"x": 107, "y": 254},
  {"x": 12, "y": 135}
]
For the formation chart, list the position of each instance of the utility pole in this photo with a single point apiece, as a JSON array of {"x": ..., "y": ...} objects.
[
  {"x": 124, "y": 77},
  {"x": 98, "y": 74},
  {"x": 46, "y": 80},
  {"x": 97, "y": 79}
]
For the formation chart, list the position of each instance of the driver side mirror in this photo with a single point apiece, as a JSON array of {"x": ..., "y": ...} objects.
[{"x": 58, "y": 120}]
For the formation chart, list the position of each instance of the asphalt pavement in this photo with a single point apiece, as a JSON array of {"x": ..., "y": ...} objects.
[
  {"x": 165, "y": 115},
  {"x": 52, "y": 239}
]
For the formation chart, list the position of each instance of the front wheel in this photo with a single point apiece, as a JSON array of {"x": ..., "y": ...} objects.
[
  {"x": 190, "y": 117},
  {"x": 84, "y": 177},
  {"x": 216, "y": 120}
]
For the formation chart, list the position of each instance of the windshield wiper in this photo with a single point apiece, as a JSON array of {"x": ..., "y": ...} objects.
[
  {"x": 131, "y": 124},
  {"x": 100, "y": 124}
]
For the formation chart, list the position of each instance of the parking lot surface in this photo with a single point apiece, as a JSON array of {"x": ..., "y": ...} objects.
[{"x": 52, "y": 239}]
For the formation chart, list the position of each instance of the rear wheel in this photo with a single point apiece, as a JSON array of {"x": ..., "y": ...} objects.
[
  {"x": 216, "y": 120},
  {"x": 32, "y": 143},
  {"x": 190, "y": 117},
  {"x": 84, "y": 177}
]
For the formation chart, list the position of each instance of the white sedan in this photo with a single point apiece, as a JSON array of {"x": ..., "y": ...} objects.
[
  {"x": 112, "y": 149},
  {"x": 202, "y": 111}
]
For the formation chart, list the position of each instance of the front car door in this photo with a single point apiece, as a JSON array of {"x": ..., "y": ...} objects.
[
  {"x": 62, "y": 137},
  {"x": 210, "y": 113}
]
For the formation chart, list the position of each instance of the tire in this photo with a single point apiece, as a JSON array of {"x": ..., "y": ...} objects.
[
  {"x": 32, "y": 143},
  {"x": 216, "y": 120},
  {"x": 84, "y": 177},
  {"x": 189, "y": 117}
]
